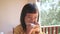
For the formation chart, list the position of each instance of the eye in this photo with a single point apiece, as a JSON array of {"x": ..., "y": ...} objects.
[{"x": 28, "y": 17}]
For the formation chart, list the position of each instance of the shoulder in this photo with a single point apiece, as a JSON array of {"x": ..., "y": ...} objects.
[{"x": 18, "y": 29}]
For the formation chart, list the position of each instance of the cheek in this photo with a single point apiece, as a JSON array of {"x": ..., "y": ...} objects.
[
  {"x": 35, "y": 20},
  {"x": 27, "y": 19}
]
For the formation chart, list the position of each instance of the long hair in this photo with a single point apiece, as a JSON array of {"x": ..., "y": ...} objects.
[{"x": 28, "y": 8}]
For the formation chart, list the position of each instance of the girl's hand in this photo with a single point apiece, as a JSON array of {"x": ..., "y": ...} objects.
[{"x": 32, "y": 29}]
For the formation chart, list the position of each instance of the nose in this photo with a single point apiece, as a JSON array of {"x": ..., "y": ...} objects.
[{"x": 32, "y": 19}]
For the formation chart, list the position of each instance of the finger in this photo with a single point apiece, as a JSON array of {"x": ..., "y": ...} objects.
[{"x": 36, "y": 26}]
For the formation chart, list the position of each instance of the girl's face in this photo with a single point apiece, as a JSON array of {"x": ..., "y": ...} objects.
[{"x": 31, "y": 18}]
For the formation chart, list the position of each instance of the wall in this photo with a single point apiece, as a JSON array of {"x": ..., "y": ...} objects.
[{"x": 10, "y": 14}]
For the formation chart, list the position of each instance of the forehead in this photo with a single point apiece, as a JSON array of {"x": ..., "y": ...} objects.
[{"x": 32, "y": 14}]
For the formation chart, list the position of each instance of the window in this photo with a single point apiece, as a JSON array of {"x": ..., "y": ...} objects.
[{"x": 50, "y": 12}]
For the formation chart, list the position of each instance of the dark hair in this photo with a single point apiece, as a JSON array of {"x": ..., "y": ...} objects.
[{"x": 28, "y": 8}]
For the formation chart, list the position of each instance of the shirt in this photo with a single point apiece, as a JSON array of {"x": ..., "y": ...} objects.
[{"x": 19, "y": 30}]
